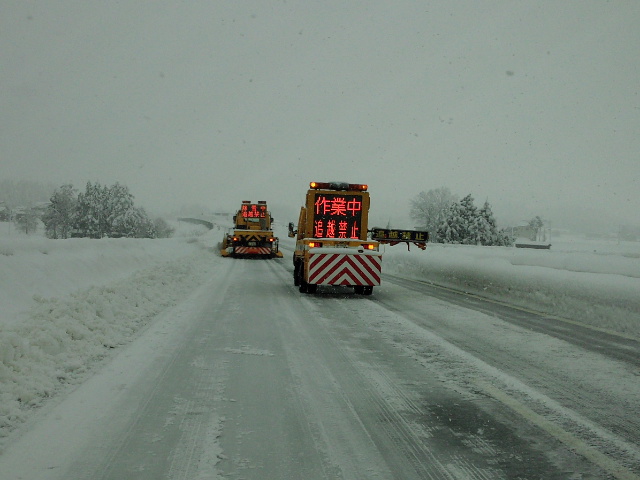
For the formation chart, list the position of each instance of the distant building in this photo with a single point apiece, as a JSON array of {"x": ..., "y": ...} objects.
[{"x": 526, "y": 232}]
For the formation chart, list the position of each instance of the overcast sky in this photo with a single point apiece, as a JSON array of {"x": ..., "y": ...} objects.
[{"x": 532, "y": 105}]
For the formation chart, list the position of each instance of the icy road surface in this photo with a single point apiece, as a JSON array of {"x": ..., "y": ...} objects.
[{"x": 249, "y": 379}]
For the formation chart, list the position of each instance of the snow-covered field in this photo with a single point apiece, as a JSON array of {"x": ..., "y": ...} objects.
[
  {"x": 65, "y": 305},
  {"x": 596, "y": 282}
]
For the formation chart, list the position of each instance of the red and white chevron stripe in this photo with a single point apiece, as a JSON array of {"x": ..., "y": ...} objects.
[
  {"x": 252, "y": 251},
  {"x": 341, "y": 269}
]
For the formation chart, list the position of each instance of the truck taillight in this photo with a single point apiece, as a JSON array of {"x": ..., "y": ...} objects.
[
  {"x": 369, "y": 246},
  {"x": 315, "y": 244}
]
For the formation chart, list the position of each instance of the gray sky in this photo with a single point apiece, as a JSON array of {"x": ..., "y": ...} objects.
[{"x": 532, "y": 105}]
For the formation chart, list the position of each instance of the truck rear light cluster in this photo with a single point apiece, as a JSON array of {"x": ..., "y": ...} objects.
[
  {"x": 368, "y": 246},
  {"x": 315, "y": 244},
  {"x": 338, "y": 186}
]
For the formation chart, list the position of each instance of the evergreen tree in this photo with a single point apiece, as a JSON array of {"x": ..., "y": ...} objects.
[
  {"x": 450, "y": 229},
  {"x": 60, "y": 213},
  {"x": 119, "y": 212},
  {"x": 135, "y": 223},
  {"x": 469, "y": 226},
  {"x": 90, "y": 218},
  {"x": 487, "y": 228},
  {"x": 465, "y": 224},
  {"x": 145, "y": 228}
]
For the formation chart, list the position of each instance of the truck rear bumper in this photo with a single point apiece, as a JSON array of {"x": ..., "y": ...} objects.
[{"x": 348, "y": 269}]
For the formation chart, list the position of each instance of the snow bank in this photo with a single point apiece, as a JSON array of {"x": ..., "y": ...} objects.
[
  {"x": 595, "y": 282},
  {"x": 91, "y": 296},
  {"x": 48, "y": 268}
]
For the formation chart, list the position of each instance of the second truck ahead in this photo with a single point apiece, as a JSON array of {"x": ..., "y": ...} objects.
[
  {"x": 332, "y": 244},
  {"x": 252, "y": 235}
]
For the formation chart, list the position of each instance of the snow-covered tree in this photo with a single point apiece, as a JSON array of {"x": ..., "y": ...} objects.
[
  {"x": 429, "y": 209},
  {"x": 465, "y": 224},
  {"x": 491, "y": 234},
  {"x": 469, "y": 226},
  {"x": 26, "y": 220},
  {"x": 145, "y": 228},
  {"x": 486, "y": 226},
  {"x": 134, "y": 223},
  {"x": 450, "y": 229},
  {"x": 119, "y": 212},
  {"x": 98, "y": 212},
  {"x": 59, "y": 215},
  {"x": 90, "y": 218},
  {"x": 163, "y": 229}
]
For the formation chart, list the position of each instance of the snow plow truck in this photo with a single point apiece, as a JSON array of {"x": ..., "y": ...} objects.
[
  {"x": 333, "y": 243},
  {"x": 251, "y": 235}
]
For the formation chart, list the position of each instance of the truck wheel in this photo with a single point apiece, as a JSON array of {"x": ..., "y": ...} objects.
[
  {"x": 358, "y": 289},
  {"x": 368, "y": 290},
  {"x": 297, "y": 273},
  {"x": 307, "y": 287}
]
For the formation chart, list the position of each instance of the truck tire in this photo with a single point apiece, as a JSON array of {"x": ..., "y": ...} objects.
[
  {"x": 297, "y": 273},
  {"x": 307, "y": 287}
]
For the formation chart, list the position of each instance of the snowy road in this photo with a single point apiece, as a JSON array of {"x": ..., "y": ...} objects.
[{"x": 249, "y": 379}]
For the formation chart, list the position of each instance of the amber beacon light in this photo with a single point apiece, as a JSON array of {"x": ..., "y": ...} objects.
[{"x": 338, "y": 186}]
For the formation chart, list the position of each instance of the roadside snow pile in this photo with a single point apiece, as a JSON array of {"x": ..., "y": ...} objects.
[
  {"x": 52, "y": 268},
  {"x": 593, "y": 282},
  {"x": 107, "y": 291}
]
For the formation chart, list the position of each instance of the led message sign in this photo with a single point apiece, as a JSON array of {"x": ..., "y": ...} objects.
[
  {"x": 252, "y": 210},
  {"x": 394, "y": 235},
  {"x": 337, "y": 216}
]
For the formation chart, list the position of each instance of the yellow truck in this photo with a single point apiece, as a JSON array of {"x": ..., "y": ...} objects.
[
  {"x": 251, "y": 235},
  {"x": 333, "y": 243}
]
